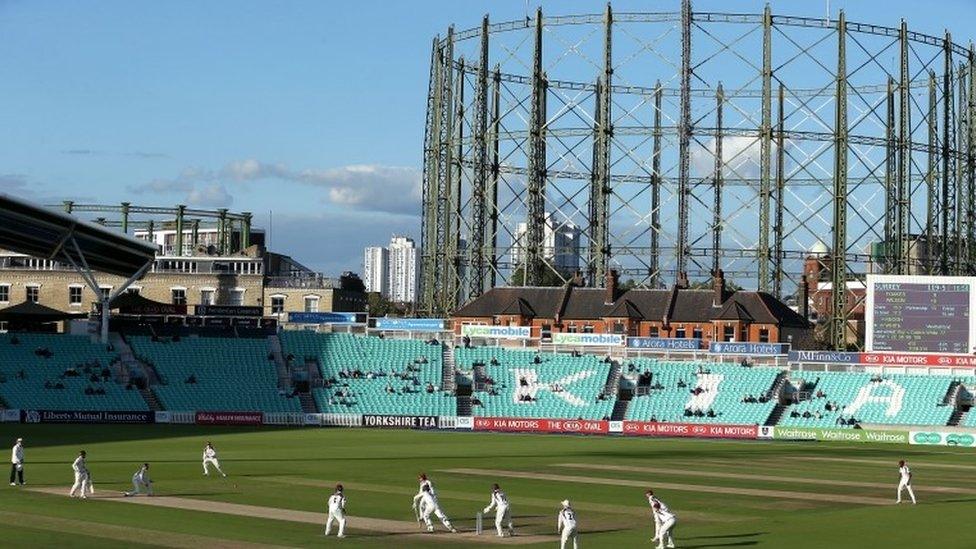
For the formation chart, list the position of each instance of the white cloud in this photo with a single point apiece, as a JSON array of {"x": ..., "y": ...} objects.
[
  {"x": 741, "y": 156},
  {"x": 364, "y": 187},
  {"x": 212, "y": 194}
]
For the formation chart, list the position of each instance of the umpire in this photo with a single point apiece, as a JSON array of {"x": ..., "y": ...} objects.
[{"x": 17, "y": 462}]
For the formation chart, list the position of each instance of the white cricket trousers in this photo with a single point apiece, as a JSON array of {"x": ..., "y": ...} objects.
[
  {"x": 503, "y": 516},
  {"x": 905, "y": 485},
  {"x": 214, "y": 462},
  {"x": 336, "y": 516},
  {"x": 570, "y": 533},
  {"x": 81, "y": 483},
  {"x": 138, "y": 488},
  {"x": 426, "y": 512},
  {"x": 665, "y": 535}
]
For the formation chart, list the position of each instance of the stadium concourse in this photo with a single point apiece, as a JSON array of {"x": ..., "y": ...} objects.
[{"x": 304, "y": 377}]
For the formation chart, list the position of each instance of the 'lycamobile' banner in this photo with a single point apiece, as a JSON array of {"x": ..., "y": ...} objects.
[
  {"x": 596, "y": 340},
  {"x": 840, "y": 435},
  {"x": 496, "y": 332}
]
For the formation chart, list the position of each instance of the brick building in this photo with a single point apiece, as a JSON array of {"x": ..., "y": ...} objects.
[{"x": 680, "y": 312}]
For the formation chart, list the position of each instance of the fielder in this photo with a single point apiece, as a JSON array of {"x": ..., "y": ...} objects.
[
  {"x": 141, "y": 482},
  {"x": 337, "y": 511},
  {"x": 17, "y": 463},
  {"x": 566, "y": 525},
  {"x": 82, "y": 476},
  {"x": 503, "y": 511},
  {"x": 210, "y": 458},
  {"x": 655, "y": 504},
  {"x": 429, "y": 506},
  {"x": 906, "y": 481},
  {"x": 667, "y": 525}
]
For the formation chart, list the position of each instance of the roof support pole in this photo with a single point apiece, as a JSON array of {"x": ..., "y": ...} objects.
[
  {"x": 962, "y": 118},
  {"x": 494, "y": 162},
  {"x": 477, "y": 272},
  {"x": 600, "y": 184},
  {"x": 125, "y": 217},
  {"x": 765, "y": 150},
  {"x": 717, "y": 180},
  {"x": 970, "y": 152},
  {"x": 888, "y": 247},
  {"x": 948, "y": 189},
  {"x": 430, "y": 225},
  {"x": 838, "y": 268},
  {"x": 454, "y": 194},
  {"x": 903, "y": 211},
  {"x": 684, "y": 142},
  {"x": 180, "y": 210},
  {"x": 245, "y": 231},
  {"x": 780, "y": 194},
  {"x": 655, "y": 262},
  {"x": 445, "y": 175},
  {"x": 534, "y": 238},
  {"x": 931, "y": 177}
]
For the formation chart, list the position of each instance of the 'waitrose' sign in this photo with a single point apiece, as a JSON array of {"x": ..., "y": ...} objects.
[
  {"x": 496, "y": 332},
  {"x": 601, "y": 340},
  {"x": 840, "y": 435}
]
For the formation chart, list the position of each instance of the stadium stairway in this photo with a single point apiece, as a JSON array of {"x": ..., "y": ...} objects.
[
  {"x": 464, "y": 405},
  {"x": 619, "y": 412},
  {"x": 151, "y": 401},
  {"x": 284, "y": 379},
  {"x": 613, "y": 379},
  {"x": 957, "y": 417},
  {"x": 308, "y": 403},
  {"x": 776, "y": 414},
  {"x": 448, "y": 382}
]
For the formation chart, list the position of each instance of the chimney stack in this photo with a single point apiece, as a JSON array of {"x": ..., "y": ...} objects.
[
  {"x": 682, "y": 282},
  {"x": 611, "y": 287},
  {"x": 719, "y": 295},
  {"x": 803, "y": 298}
]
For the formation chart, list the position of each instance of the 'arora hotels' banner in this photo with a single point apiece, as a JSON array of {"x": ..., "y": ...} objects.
[
  {"x": 600, "y": 340},
  {"x": 496, "y": 332},
  {"x": 668, "y": 429},
  {"x": 512, "y": 424}
]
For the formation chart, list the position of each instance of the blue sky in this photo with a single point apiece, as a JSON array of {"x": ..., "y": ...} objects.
[{"x": 314, "y": 110}]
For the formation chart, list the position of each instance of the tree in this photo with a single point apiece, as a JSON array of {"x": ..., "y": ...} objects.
[{"x": 380, "y": 306}]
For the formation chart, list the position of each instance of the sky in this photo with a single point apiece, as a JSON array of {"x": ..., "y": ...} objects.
[{"x": 311, "y": 110}]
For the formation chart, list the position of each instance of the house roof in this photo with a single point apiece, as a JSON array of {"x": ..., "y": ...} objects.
[{"x": 677, "y": 305}]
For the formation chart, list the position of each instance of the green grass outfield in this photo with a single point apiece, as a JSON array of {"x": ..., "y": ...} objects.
[{"x": 725, "y": 493}]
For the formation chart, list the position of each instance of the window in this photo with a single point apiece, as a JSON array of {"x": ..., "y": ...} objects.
[
  {"x": 133, "y": 290},
  {"x": 653, "y": 332},
  {"x": 571, "y": 329},
  {"x": 106, "y": 292},
  {"x": 618, "y": 327},
  {"x": 696, "y": 332},
  {"x": 33, "y": 294},
  {"x": 277, "y": 304},
  {"x": 206, "y": 297},
  {"x": 312, "y": 304},
  {"x": 179, "y": 296},
  {"x": 74, "y": 295},
  {"x": 546, "y": 332},
  {"x": 763, "y": 335},
  {"x": 679, "y": 332},
  {"x": 728, "y": 333},
  {"x": 4, "y": 293},
  {"x": 237, "y": 297},
  {"x": 587, "y": 329}
]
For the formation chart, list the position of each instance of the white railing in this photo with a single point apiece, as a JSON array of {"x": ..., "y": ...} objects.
[
  {"x": 447, "y": 422},
  {"x": 284, "y": 418},
  {"x": 342, "y": 420},
  {"x": 184, "y": 418}
]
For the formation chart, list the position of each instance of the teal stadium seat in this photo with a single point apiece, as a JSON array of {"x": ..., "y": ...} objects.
[
  {"x": 68, "y": 352},
  {"x": 232, "y": 374},
  {"x": 723, "y": 388},
  {"x": 382, "y": 360},
  {"x": 895, "y": 400}
]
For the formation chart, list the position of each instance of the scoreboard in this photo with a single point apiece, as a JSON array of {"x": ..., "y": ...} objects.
[{"x": 920, "y": 314}]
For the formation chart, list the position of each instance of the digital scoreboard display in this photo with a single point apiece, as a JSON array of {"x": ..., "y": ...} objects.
[{"x": 920, "y": 314}]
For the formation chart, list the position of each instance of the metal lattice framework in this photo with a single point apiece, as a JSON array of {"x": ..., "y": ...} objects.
[{"x": 685, "y": 142}]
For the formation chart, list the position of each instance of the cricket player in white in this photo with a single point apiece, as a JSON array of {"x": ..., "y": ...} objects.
[
  {"x": 503, "y": 511},
  {"x": 656, "y": 503},
  {"x": 905, "y": 481},
  {"x": 337, "y": 511},
  {"x": 141, "y": 482},
  {"x": 566, "y": 525},
  {"x": 429, "y": 506},
  {"x": 667, "y": 525},
  {"x": 80, "y": 468},
  {"x": 418, "y": 503},
  {"x": 17, "y": 462},
  {"x": 210, "y": 458}
]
